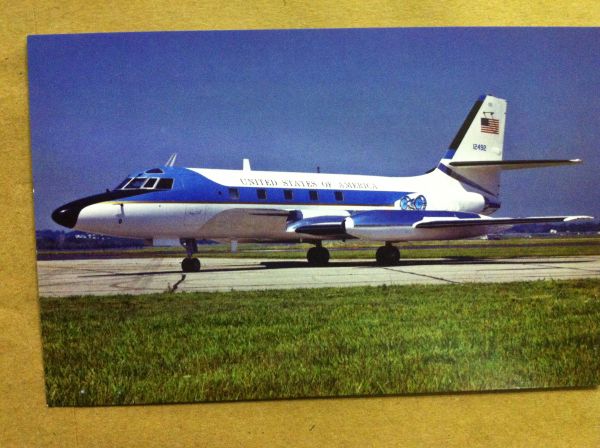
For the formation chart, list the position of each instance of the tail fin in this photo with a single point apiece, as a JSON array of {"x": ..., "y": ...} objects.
[{"x": 479, "y": 139}]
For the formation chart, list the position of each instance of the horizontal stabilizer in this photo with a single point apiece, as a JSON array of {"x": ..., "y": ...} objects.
[
  {"x": 513, "y": 164},
  {"x": 468, "y": 222}
]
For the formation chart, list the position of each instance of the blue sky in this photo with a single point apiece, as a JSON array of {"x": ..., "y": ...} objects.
[{"x": 375, "y": 101}]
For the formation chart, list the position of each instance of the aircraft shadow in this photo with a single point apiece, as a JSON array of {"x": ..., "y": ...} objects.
[
  {"x": 285, "y": 264},
  {"x": 420, "y": 262}
]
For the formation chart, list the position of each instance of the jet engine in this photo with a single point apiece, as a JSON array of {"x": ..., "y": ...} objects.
[{"x": 398, "y": 225}]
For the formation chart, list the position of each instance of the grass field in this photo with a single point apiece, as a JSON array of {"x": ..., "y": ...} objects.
[
  {"x": 475, "y": 248},
  {"x": 323, "y": 342}
]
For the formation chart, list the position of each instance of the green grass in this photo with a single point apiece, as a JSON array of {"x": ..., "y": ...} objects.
[
  {"x": 506, "y": 248},
  {"x": 323, "y": 342}
]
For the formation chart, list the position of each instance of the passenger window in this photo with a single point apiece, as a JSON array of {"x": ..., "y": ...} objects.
[
  {"x": 261, "y": 193},
  {"x": 164, "y": 184},
  {"x": 287, "y": 195},
  {"x": 150, "y": 183},
  {"x": 234, "y": 193},
  {"x": 313, "y": 195},
  {"x": 339, "y": 196}
]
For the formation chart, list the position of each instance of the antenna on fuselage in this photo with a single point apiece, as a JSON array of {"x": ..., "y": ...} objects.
[
  {"x": 171, "y": 160},
  {"x": 246, "y": 165}
]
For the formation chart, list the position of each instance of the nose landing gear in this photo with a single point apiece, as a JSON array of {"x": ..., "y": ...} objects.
[
  {"x": 190, "y": 263},
  {"x": 387, "y": 255}
]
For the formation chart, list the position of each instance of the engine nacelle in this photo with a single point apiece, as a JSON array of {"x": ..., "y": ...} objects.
[
  {"x": 470, "y": 202},
  {"x": 397, "y": 225},
  {"x": 463, "y": 201}
]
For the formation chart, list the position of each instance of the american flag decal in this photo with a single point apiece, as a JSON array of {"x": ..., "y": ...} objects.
[{"x": 490, "y": 125}]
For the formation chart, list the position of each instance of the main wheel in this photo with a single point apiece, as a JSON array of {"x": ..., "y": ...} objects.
[
  {"x": 387, "y": 256},
  {"x": 317, "y": 256},
  {"x": 190, "y": 265}
]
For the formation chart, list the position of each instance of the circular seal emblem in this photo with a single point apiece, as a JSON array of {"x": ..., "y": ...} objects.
[{"x": 420, "y": 202}]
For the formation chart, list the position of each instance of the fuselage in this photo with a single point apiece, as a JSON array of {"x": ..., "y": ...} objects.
[{"x": 176, "y": 202}]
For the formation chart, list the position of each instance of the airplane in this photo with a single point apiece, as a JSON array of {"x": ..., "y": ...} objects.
[{"x": 451, "y": 201}]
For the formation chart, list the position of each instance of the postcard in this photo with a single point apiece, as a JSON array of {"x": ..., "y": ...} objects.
[{"x": 277, "y": 214}]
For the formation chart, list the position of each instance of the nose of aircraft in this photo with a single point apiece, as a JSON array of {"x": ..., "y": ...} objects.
[{"x": 66, "y": 215}]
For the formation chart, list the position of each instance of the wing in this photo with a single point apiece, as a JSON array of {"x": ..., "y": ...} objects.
[
  {"x": 436, "y": 223},
  {"x": 262, "y": 224},
  {"x": 327, "y": 225},
  {"x": 244, "y": 223},
  {"x": 405, "y": 225}
]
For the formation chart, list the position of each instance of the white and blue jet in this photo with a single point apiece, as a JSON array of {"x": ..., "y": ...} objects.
[{"x": 451, "y": 201}]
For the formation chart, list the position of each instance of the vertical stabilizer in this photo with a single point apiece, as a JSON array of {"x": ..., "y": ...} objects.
[{"x": 480, "y": 138}]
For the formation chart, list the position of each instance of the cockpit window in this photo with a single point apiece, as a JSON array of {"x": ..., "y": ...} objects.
[
  {"x": 146, "y": 183},
  {"x": 135, "y": 183},
  {"x": 150, "y": 183},
  {"x": 164, "y": 184},
  {"x": 122, "y": 184},
  {"x": 155, "y": 171}
]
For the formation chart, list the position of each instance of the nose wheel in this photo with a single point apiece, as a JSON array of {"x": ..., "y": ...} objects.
[
  {"x": 317, "y": 256},
  {"x": 190, "y": 263},
  {"x": 387, "y": 255}
]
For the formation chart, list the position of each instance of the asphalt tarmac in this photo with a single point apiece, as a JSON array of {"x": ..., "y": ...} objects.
[{"x": 155, "y": 275}]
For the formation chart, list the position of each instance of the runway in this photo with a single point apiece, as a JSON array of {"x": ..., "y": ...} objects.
[{"x": 155, "y": 275}]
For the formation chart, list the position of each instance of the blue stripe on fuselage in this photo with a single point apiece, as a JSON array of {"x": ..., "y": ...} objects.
[
  {"x": 192, "y": 187},
  {"x": 449, "y": 154}
]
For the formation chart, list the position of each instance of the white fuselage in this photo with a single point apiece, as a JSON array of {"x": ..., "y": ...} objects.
[{"x": 207, "y": 210}]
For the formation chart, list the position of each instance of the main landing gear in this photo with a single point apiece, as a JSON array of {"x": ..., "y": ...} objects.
[
  {"x": 189, "y": 263},
  {"x": 387, "y": 255},
  {"x": 318, "y": 255}
]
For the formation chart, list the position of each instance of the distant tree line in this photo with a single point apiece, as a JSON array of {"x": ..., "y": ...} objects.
[
  {"x": 563, "y": 227},
  {"x": 59, "y": 240}
]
